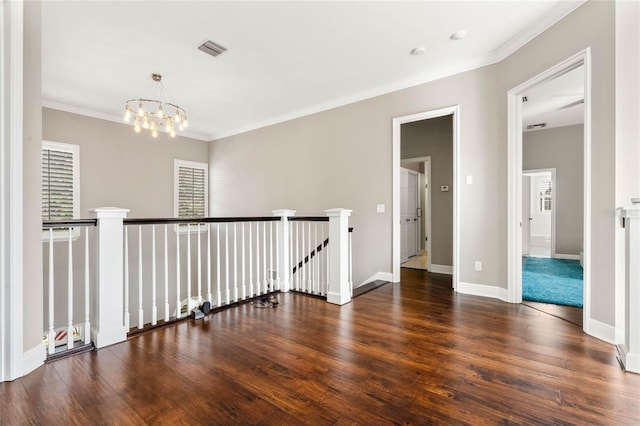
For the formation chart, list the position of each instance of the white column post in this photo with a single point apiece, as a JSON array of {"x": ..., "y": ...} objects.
[
  {"x": 284, "y": 268},
  {"x": 338, "y": 291},
  {"x": 108, "y": 326},
  {"x": 630, "y": 350}
]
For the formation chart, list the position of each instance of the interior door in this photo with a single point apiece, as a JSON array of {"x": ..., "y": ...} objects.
[
  {"x": 526, "y": 215},
  {"x": 412, "y": 213},
  {"x": 404, "y": 215}
]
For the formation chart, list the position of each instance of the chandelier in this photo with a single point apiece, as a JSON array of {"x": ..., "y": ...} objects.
[{"x": 152, "y": 111}]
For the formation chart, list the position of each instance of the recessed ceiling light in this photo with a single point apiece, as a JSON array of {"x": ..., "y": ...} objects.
[
  {"x": 459, "y": 35},
  {"x": 418, "y": 51}
]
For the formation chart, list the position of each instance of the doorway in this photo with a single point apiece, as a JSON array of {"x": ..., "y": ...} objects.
[
  {"x": 450, "y": 189},
  {"x": 580, "y": 64},
  {"x": 420, "y": 214},
  {"x": 538, "y": 213}
]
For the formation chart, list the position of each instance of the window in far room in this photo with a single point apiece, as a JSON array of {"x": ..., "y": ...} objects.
[
  {"x": 60, "y": 184},
  {"x": 191, "y": 189}
]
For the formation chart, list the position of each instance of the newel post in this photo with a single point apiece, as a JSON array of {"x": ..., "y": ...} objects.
[
  {"x": 108, "y": 325},
  {"x": 630, "y": 350},
  {"x": 339, "y": 291},
  {"x": 283, "y": 253}
]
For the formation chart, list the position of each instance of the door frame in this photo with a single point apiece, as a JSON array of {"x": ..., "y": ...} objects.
[
  {"x": 552, "y": 172},
  {"x": 514, "y": 177},
  {"x": 454, "y": 111}
]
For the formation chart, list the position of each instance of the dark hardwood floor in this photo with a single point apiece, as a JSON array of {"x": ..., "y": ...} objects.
[{"x": 409, "y": 353}]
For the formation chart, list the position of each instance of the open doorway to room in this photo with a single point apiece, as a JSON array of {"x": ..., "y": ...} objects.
[
  {"x": 548, "y": 158},
  {"x": 425, "y": 147}
]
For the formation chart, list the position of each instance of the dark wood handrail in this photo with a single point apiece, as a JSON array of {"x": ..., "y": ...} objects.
[
  {"x": 309, "y": 218},
  {"x": 71, "y": 223},
  {"x": 311, "y": 255},
  {"x": 196, "y": 220}
]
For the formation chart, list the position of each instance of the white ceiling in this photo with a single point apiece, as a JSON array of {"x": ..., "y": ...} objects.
[
  {"x": 284, "y": 59},
  {"x": 558, "y": 102}
]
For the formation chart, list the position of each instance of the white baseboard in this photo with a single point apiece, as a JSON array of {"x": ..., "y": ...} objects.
[
  {"x": 631, "y": 361},
  {"x": 33, "y": 358},
  {"x": 483, "y": 290},
  {"x": 109, "y": 337},
  {"x": 441, "y": 269},
  {"x": 382, "y": 276},
  {"x": 566, "y": 256},
  {"x": 600, "y": 330}
]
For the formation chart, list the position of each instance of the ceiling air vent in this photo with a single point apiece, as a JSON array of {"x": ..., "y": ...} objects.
[
  {"x": 536, "y": 126},
  {"x": 213, "y": 49}
]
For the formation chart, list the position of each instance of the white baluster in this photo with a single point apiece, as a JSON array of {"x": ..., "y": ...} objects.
[
  {"x": 70, "y": 291},
  {"x": 218, "y": 292},
  {"x": 298, "y": 269},
  {"x": 140, "y": 310},
  {"x": 167, "y": 314},
  {"x": 235, "y": 262},
  {"x": 350, "y": 264},
  {"x": 209, "y": 296},
  {"x": 316, "y": 287},
  {"x": 52, "y": 331},
  {"x": 323, "y": 283},
  {"x": 227, "y": 296},
  {"x": 251, "y": 292},
  {"x": 258, "y": 291},
  {"x": 188, "y": 284},
  {"x": 270, "y": 272},
  {"x": 199, "y": 268},
  {"x": 303, "y": 282},
  {"x": 291, "y": 257},
  {"x": 87, "y": 323},
  {"x": 178, "y": 302},
  {"x": 277, "y": 283},
  {"x": 154, "y": 305},
  {"x": 243, "y": 283},
  {"x": 127, "y": 314},
  {"x": 328, "y": 264},
  {"x": 264, "y": 257}
]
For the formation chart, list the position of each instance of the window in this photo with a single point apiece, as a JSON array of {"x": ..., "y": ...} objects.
[
  {"x": 544, "y": 196},
  {"x": 191, "y": 189},
  {"x": 60, "y": 183}
]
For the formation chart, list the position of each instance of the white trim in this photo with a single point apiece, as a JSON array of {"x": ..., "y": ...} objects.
[
  {"x": 514, "y": 178},
  {"x": 11, "y": 187},
  {"x": 33, "y": 358},
  {"x": 483, "y": 290},
  {"x": 441, "y": 269},
  {"x": 382, "y": 276},
  {"x": 600, "y": 330},
  {"x": 566, "y": 256},
  {"x": 395, "y": 217},
  {"x": 630, "y": 360}
]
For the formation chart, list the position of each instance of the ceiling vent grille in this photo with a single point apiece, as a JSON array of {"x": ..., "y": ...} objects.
[
  {"x": 211, "y": 48},
  {"x": 536, "y": 126}
]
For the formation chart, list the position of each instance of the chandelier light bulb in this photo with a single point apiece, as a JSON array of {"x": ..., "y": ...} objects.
[
  {"x": 127, "y": 115},
  {"x": 154, "y": 133},
  {"x": 173, "y": 133},
  {"x": 160, "y": 112},
  {"x": 145, "y": 122},
  {"x": 137, "y": 128},
  {"x": 184, "y": 122},
  {"x": 140, "y": 110},
  {"x": 176, "y": 117}
]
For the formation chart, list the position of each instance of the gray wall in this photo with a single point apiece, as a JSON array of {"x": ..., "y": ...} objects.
[
  {"x": 32, "y": 192},
  {"x": 434, "y": 137},
  {"x": 315, "y": 162},
  {"x": 562, "y": 148}
]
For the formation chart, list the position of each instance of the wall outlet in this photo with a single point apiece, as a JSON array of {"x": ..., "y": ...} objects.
[
  {"x": 380, "y": 208},
  {"x": 478, "y": 265}
]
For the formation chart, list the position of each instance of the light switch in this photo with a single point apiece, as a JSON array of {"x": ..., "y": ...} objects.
[
  {"x": 469, "y": 180},
  {"x": 380, "y": 208}
]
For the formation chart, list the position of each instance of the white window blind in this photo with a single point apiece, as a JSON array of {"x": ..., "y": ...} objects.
[
  {"x": 59, "y": 181},
  {"x": 544, "y": 196},
  {"x": 192, "y": 188}
]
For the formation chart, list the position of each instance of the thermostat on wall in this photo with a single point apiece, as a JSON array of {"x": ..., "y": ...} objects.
[{"x": 444, "y": 188}]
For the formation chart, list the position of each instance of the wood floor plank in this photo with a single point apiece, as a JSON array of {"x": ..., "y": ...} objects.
[{"x": 408, "y": 353}]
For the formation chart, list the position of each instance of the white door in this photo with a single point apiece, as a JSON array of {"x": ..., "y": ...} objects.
[
  {"x": 412, "y": 213},
  {"x": 526, "y": 215},
  {"x": 404, "y": 214}
]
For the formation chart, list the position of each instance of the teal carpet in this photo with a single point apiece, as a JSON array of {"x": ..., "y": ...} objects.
[{"x": 556, "y": 281}]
